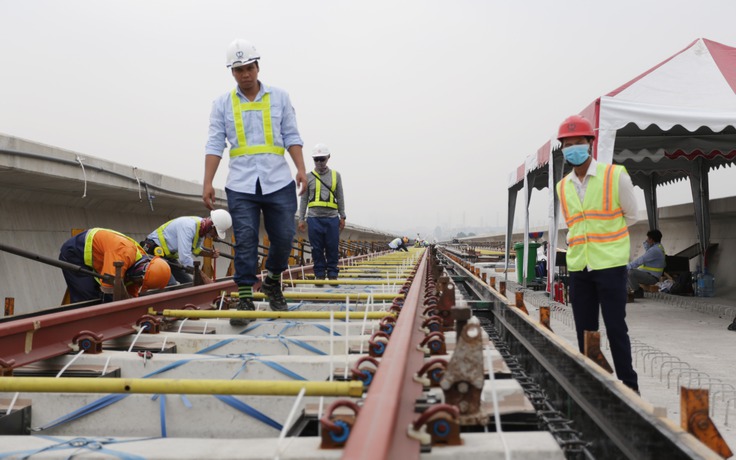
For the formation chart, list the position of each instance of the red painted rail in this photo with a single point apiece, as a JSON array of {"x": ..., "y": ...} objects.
[{"x": 381, "y": 428}]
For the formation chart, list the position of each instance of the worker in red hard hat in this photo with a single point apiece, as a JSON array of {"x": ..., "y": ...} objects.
[
  {"x": 98, "y": 249},
  {"x": 598, "y": 204}
]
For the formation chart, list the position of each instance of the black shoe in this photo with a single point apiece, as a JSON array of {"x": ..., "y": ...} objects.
[
  {"x": 317, "y": 279},
  {"x": 732, "y": 326},
  {"x": 245, "y": 304},
  {"x": 276, "y": 299},
  {"x": 333, "y": 278},
  {"x": 639, "y": 293}
]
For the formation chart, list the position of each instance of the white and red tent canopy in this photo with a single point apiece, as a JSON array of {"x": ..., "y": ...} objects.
[
  {"x": 675, "y": 121},
  {"x": 682, "y": 109}
]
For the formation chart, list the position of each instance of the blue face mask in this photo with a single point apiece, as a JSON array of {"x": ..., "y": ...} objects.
[{"x": 576, "y": 154}]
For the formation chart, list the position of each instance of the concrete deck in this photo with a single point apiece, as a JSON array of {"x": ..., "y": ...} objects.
[{"x": 676, "y": 341}]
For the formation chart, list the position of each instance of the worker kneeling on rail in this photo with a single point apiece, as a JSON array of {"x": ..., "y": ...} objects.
[
  {"x": 180, "y": 239},
  {"x": 98, "y": 249},
  {"x": 399, "y": 244}
]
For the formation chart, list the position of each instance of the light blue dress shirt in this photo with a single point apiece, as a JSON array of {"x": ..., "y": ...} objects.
[
  {"x": 270, "y": 169},
  {"x": 179, "y": 235}
]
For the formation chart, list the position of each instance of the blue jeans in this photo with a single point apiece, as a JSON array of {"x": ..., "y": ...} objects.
[
  {"x": 604, "y": 290},
  {"x": 324, "y": 237},
  {"x": 81, "y": 287},
  {"x": 279, "y": 209}
]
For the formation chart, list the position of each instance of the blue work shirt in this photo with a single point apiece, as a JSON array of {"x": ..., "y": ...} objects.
[
  {"x": 653, "y": 257},
  {"x": 245, "y": 170},
  {"x": 179, "y": 236}
]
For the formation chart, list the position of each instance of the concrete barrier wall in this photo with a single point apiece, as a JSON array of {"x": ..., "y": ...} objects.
[
  {"x": 677, "y": 224},
  {"x": 41, "y": 201}
]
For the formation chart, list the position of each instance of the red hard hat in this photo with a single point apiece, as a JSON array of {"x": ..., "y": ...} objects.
[{"x": 575, "y": 126}]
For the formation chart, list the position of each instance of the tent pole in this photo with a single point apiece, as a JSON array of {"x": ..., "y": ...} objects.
[
  {"x": 700, "y": 191},
  {"x": 650, "y": 197},
  {"x": 509, "y": 230}
]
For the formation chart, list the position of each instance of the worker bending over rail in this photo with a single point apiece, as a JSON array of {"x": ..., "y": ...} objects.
[
  {"x": 324, "y": 208},
  {"x": 597, "y": 200},
  {"x": 98, "y": 249},
  {"x": 399, "y": 244},
  {"x": 180, "y": 239}
]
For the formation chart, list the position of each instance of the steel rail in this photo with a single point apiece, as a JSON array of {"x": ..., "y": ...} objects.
[
  {"x": 44, "y": 336},
  {"x": 381, "y": 427},
  {"x": 40, "y": 335},
  {"x": 626, "y": 426}
]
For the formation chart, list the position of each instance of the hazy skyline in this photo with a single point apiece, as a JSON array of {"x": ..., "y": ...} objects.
[{"x": 427, "y": 106}]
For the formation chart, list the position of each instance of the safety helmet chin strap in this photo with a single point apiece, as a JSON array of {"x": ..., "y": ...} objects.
[
  {"x": 205, "y": 226},
  {"x": 138, "y": 270}
]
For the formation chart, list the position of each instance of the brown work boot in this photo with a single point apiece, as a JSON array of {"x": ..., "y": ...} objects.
[{"x": 629, "y": 297}]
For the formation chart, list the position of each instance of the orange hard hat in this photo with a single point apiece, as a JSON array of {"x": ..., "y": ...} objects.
[
  {"x": 575, "y": 126},
  {"x": 157, "y": 274}
]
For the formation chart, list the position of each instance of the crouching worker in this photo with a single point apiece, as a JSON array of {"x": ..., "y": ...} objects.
[
  {"x": 98, "y": 249},
  {"x": 180, "y": 239},
  {"x": 648, "y": 268},
  {"x": 399, "y": 244}
]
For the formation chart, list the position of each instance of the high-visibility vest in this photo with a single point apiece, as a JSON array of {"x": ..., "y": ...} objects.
[
  {"x": 318, "y": 192},
  {"x": 88, "y": 256},
  {"x": 162, "y": 241},
  {"x": 265, "y": 108},
  {"x": 656, "y": 271},
  {"x": 597, "y": 233}
]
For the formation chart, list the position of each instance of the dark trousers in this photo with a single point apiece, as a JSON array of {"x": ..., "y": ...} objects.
[
  {"x": 278, "y": 210},
  {"x": 604, "y": 291},
  {"x": 324, "y": 237},
  {"x": 81, "y": 287}
]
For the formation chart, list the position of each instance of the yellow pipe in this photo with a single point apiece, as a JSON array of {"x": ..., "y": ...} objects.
[
  {"x": 328, "y": 295},
  {"x": 179, "y": 386},
  {"x": 346, "y": 282},
  {"x": 264, "y": 314}
]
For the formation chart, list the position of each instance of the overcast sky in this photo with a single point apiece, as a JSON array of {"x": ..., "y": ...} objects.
[{"x": 427, "y": 106}]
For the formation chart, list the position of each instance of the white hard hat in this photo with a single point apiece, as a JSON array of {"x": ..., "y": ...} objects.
[
  {"x": 222, "y": 221},
  {"x": 241, "y": 52},
  {"x": 320, "y": 150}
]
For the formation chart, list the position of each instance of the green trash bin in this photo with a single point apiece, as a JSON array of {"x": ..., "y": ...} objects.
[{"x": 531, "y": 264}]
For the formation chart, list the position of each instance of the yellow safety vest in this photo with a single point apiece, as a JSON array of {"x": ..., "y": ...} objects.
[
  {"x": 656, "y": 271},
  {"x": 265, "y": 108},
  {"x": 318, "y": 192},
  {"x": 162, "y": 241},
  {"x": 597, "y": 233},
  {"x": 88, "y": 247}
]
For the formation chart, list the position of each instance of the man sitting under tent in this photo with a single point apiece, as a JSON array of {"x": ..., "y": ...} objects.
[{"x": 648, "y": 268}]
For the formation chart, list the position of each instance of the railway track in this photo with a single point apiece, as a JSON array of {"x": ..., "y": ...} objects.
[{"x": 407, "y": 355}]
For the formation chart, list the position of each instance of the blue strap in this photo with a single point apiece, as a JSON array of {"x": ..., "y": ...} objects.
[
  {"x": 282, "y": 369},
  {"x": 322, "y": 327},
  {"x": 92, "y": 444},
  {"x": 88, "y": 409},
  {"x": 285, "y": 340},
  {"x": 248, "y": 410},
  {"x": 162, "y": 412}
]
